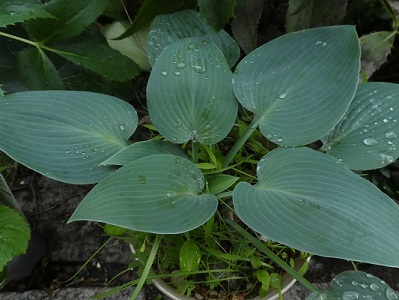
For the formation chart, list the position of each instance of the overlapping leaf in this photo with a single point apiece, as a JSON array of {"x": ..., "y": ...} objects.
[
  {"x": 158, "y": 193},
  {"x": 293, "y": 82},
  {"x": 143, "y": 149},
  {"x": 65, "y": 135},
  {"x": 167, "y": 29},
  {"x": 15, "y": 11},
  {"x": 190, "y": 93},
  {"x": 15, "y": 234},
  {"x": 216, "y": 13},
  {"x": 367, "y": 137},
  {"x": 38, "y": 71},
  {"x": 71, "y": 19},
  {"x": 306, "y": 200}
]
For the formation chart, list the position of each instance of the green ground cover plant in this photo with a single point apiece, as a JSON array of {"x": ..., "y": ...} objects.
[{"x": 287, "y": 95}]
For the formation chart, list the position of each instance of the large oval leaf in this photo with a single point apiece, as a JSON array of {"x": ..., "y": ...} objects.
[
  {"x": 167, "y": 29},
  {"x": 65, "y": 135},
  {"x": 190, "y": 94},
  {"x": 158, "y": 193},
  {"x": 300, "y": 84},
  {"x": 142, "y": 149},
  {"x": 367, "y": 137},
  {"x": 309, "y": 201}
]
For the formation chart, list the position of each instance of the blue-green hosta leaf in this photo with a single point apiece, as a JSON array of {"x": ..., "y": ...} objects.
[
  {"x": 65, "y": 135},
  {"x": 15, "y": 11},
  {"x": 190, "y": 94},
  {"x": 167, "y": 29},
  {"x": 293, "y": 82},
  {"x": 159, "y": 193},
  {"x": 307, "y": 200},
  {"x": 367, "y": 137},
  {"x": 356, "y": 285},
  {"x": 143, "y": 149},
  {"x": 72, "y": 18},
  {"x": 15, "y": 234},
  {"x": 38, "y": 71}
]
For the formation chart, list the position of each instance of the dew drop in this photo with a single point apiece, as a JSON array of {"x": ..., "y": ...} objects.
[
  {"x": 67, "y": 151},
  {"x": 390, "y": 135},
  {"x": 370, "y": 142},
  {"x": 177, "y": 73},
  {"x": 385, "y": 120},
  {"x": 122, "y": 127},
  {"x": 168, "y": 194},
  {"x": 95, "y": 149},
  {"x": 355, "y": 283},
  {"x": 283, "y": 95},
  {"x": 180, "y": 65},
  {"x": 350, "y": 295},
  {"x": 386, "y": 159},
  {"x": 391, "y": 294},
  {"x": 199, "y": 68},
  {"x": 279, "y": 140},
  {"x": 365, "y": 286},
  {"x": 164, "y": 73},
  {"x": 374, "y": 286}
]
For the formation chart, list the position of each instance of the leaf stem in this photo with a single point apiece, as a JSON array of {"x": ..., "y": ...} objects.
[
  {"x": 241, "y": 141},
  {"x": 148, "y": 266},
  {"x": 194, "y": 155},
  {"x": 17, "y": 38},
  {"x": 273, "y": 256}
]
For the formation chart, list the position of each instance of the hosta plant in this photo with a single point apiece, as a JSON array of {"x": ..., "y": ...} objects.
[{"x": 296, "y": 90}]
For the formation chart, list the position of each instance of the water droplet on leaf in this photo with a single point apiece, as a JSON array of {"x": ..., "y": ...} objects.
[
  {"x": 390, "y": 135},
  {"x": 370, "y": 142},
  {"x": 164, "y": 73}
]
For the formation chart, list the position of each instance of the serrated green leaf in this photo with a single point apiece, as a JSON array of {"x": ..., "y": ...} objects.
[
  {"x": 15, "y": 11},
  {"x": 167, "y": 29},
  {"x": 190, "y": 97},
  {"x": 72, "y": 18},
  {"x": 142, "y": 149},
  {"x": 375, "y": 49},
  {"x": 38, "y": 71},
  {"x": 367, "y": 137},
  {"x": 65, "y": 135},
  {"x": 304, "y": 14},
  {"x": 293, "y": 82},
  {"x": 220, "y": 182},
  {"x": 245, "y": 23},
  {"x": 101, "y": 59},
  {"x": 308, "y": 201},
  {"x": 159, "y": 194},
  {"x": 15, "y": 235},
  {"x": 216, "y": 13},
  {"x": 152, "y": 8}
]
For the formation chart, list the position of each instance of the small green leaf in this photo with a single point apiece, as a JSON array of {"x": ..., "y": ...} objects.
[
  {"x": 264, "y": 278},
  {"x": 72, "y": 18},
  {"x": 245, "y": 23},
  {"x": 308, "y": 201},
  {"x": 15, "y": 235},
  {"x": 160, "y": 193},
  {"x": 15, "y": 11},
  {"x": 191, "y": 97},
  {"x": 206, "y": 166},
  {"x": 367, "y": 137},
  {"x": 167, "y": 29},
  {"x": 275, "y": 281},
  {"x": 6, "y": 196},
  {"x": 294, "y": 97},
  {"x": 220, "y": 182},
  {"x": 114, "y": 230},
  {"x": 101, "y": 59},
  {"x": 256, "y": 262},
  {"x": 216, "y": 13},
  {"x": 190, "y": 256},
  {"x": 375, "y": 49},
  {"x": 134, "y": 46},
  {"x": 38, "y": 71},
  {"x": 65, "y": 135}
]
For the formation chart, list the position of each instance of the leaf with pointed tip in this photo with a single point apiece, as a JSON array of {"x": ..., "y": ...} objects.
[
  {"x": 101, "y": 59},
  {"x": 65, "y": 135},
  {"x": 216, "y": 13},
  {"x": 307, "y": 200},
  {"x": 220, "y": 182},
  {"x": 167, "y": 29},
  {"x": 38, "y": 71},
  {"x": 6, "y": 196},
  {"x": 367, "y": 137},
  {"x": 293, "y": 82},
  {"x": 72, "y": 18},
  {"x": 375, "y": 49},
  {"x": 143, "y": 149},
  {"x": 190, "y": 93},
  {"x": 159, "y": 193},
  {"x": 15, "y": 11},
  {"x": 15, "y": 234}
]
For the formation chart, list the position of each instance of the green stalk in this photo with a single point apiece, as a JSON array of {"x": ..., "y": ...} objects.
[
  {"x": 241, "y": 141},
  {"x": 194, "y": 154},
  {"x": 258, "y": 244},
  {"x": 17, "y": 38},
  {"x": 147, "y": 267}
]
